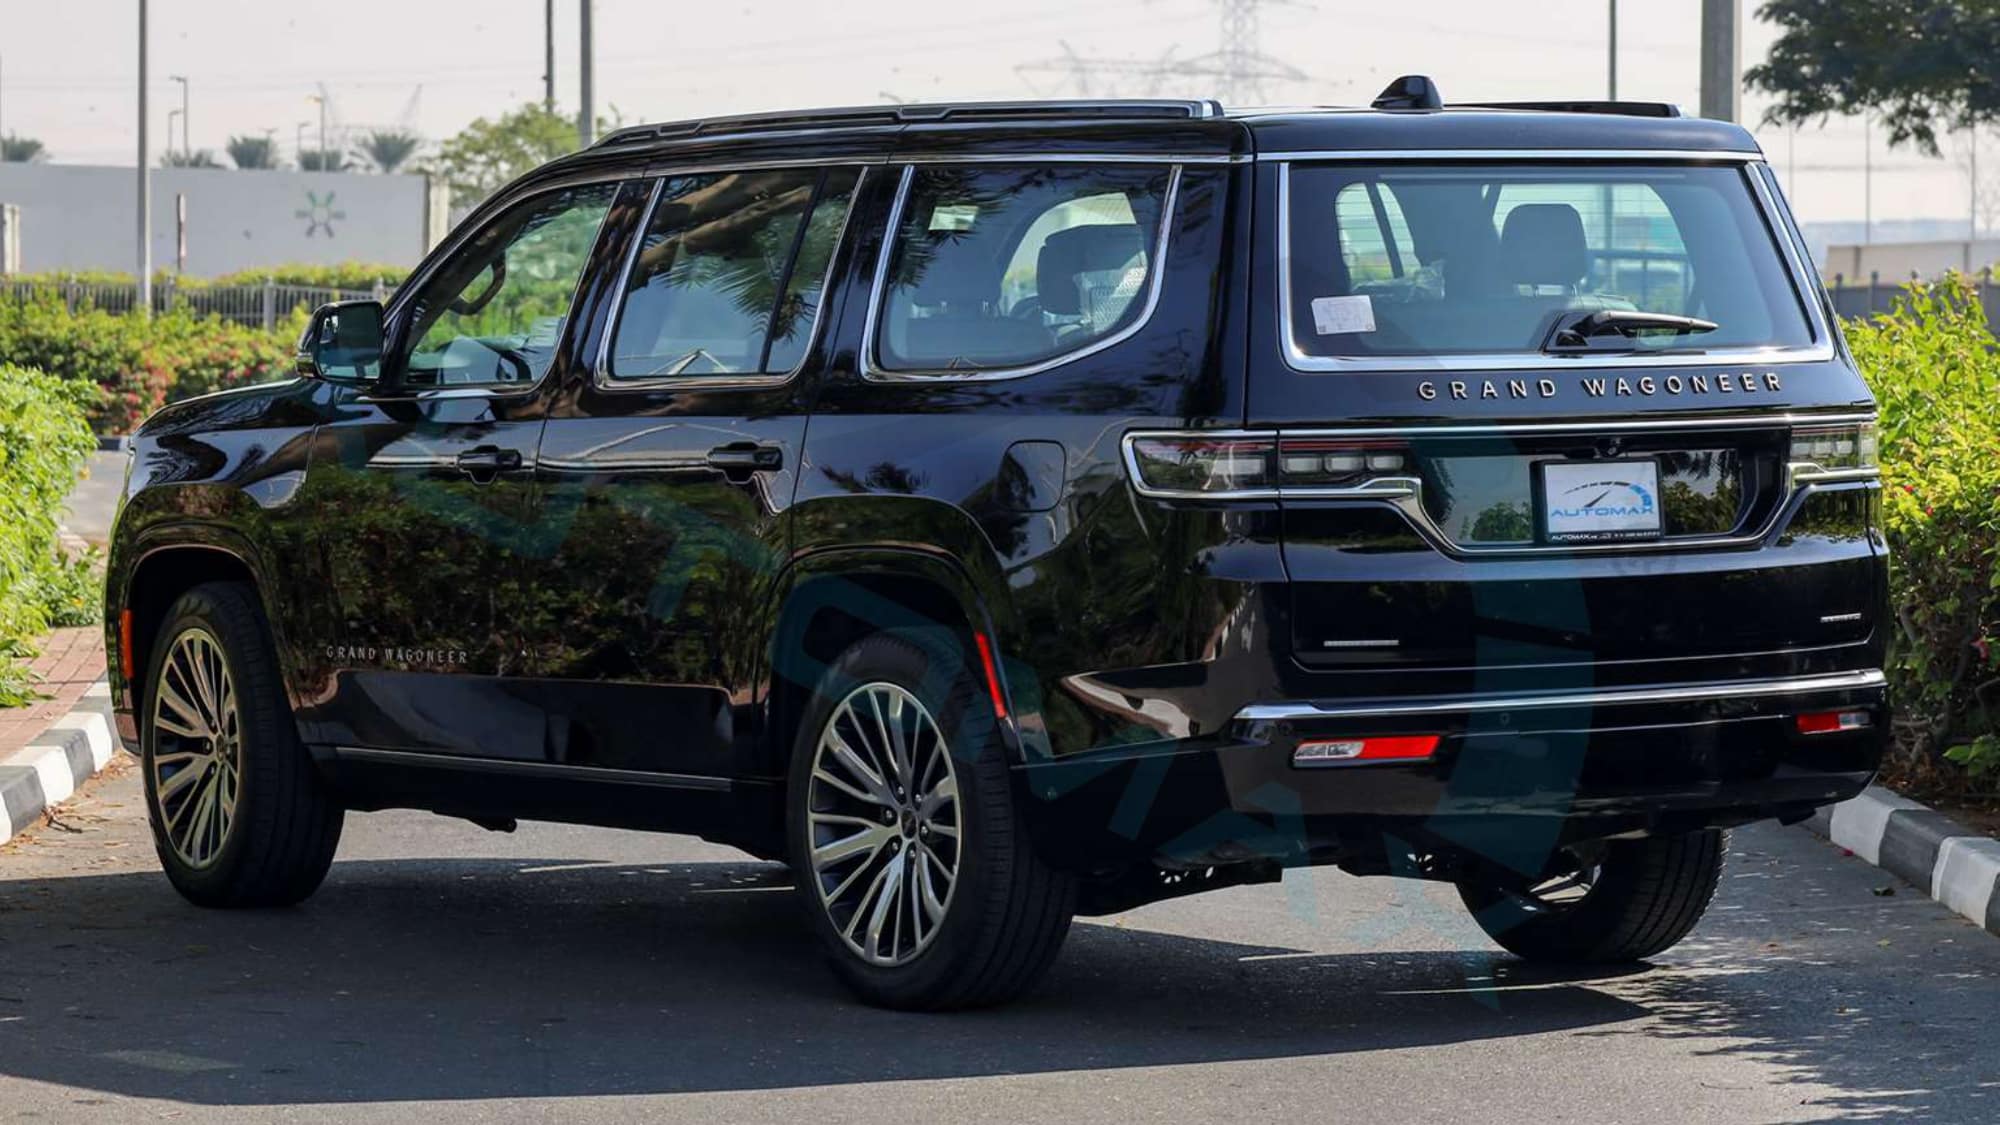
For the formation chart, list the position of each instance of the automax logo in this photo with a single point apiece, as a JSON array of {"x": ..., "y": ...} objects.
[{"x": 1610, "y": 499}]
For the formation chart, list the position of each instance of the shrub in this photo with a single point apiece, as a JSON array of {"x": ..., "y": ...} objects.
[
  {"x": 1935, "y": 368},
  {"x": 44, "y": 443},
  {"x": 138, "y": 365}
]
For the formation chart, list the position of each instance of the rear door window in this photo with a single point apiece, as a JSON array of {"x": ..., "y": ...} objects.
[
  {"x": 1001, "y": 267},
  {"x": 1491, "y": 259},
  {"x": 728, "y": 275}
]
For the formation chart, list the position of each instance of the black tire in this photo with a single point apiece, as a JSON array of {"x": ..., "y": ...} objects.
[
  {"x": 280, "y": 838},
  {"x": 1006, "y": 912},
  {"x": 1646, "y": 896}
]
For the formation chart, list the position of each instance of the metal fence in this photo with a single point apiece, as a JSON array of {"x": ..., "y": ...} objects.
[
  {"x": 254, "y": 305},
  {"x": 1878, "y": 295}
]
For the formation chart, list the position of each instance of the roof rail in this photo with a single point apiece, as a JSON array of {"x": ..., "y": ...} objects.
[
  {"x": 1623, "y": 109},
  {"x": 1108, "y": 108}
]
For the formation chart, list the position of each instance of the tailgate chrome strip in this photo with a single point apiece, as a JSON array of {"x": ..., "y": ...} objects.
[{"x": 1730, "y": 689}]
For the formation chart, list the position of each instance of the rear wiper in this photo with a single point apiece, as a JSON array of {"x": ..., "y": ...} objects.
[{"x": 1626, "y": 323}]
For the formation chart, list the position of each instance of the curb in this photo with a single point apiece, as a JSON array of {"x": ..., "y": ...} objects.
[
  {"x": 1923, "y": 847},
  {"x": 51, "y": 766}
]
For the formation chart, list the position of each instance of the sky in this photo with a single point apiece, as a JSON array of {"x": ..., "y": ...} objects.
[{"x": 68, "y": 68}]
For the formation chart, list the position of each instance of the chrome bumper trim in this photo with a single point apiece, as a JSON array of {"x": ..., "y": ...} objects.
[{"x": 1731, "y": 689}]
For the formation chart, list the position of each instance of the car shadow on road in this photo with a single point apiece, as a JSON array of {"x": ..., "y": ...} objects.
[{"x": 458, "y": 979}]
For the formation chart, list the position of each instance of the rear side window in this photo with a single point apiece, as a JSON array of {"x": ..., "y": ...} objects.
[
  {"x": 728, "y": 274},
  {"x": 1443, "y": 259},
  {"x": 1002, "y": 267}
]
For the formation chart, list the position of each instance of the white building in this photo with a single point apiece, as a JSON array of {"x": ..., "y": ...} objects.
[{"x": 81, "y": 217}]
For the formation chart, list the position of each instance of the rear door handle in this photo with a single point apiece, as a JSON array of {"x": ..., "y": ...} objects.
[
  {"x": 486, "y": 459},
  {"x": 743, "y": 458}
]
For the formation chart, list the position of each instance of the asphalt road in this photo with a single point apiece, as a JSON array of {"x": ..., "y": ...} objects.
[
  {"x": 93, "y": 502},
  {"x": 445, "y": 974}
]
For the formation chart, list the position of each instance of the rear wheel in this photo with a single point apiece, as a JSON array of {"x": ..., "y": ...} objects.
[
  {"x": 913, "y": 863},
  {"x": 239, "y": 816},
  {"x": 1615, "y": 900}
]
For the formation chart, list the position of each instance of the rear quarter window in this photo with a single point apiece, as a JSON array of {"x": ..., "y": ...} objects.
[
  {"x": 1490, "y": 259},
  {"x": 1003, "y": 267}
]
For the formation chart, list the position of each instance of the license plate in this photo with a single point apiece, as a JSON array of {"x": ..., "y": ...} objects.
[{"x": 1599, "y": 501}]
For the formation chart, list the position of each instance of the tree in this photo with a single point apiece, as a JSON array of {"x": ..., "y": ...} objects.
[
  {"x": 387, "y": 149},
  {"x": 199, "y": 158},
  {"x": 318, "y": 160},
  {"x": 252, "y": 152},
  {"x": 1919, "y": 66},
  {"x": 21, "y": 150},
  {"x": 486, "y": 155}
]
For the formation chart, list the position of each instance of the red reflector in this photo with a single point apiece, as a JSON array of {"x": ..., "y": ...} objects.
[
  {"x": 1392, "y": 748},
  {"x": 992, "y": 676},
  {"x": 125, "y": 643},
  {"x": 1829, "y": 722}
]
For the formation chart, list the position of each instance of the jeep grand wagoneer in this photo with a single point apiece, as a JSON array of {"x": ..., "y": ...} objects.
[{"x": 1001, "y": 512}]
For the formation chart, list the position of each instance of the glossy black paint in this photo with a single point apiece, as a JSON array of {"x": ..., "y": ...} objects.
[{"x": 621, "y": 631}]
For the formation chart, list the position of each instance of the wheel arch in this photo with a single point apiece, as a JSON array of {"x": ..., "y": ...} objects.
[
  {"x": 831, "y": 600},
  {"x": 165, "y": 566}
]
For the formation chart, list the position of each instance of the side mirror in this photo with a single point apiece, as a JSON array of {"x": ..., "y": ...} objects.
[{"x": 343, "y": 343}]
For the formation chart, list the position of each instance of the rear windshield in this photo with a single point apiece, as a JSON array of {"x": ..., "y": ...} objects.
[{"x": 1475, "y": 259}]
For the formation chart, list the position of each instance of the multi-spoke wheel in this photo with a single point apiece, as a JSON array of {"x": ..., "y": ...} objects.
[
  {"x": 884, "y": 813},
  {"x": 913, "y": 862},
  {"x": 1616, "y": 900},
  {"x": 197, "y": 763},
  {"x": 239, "y": 816}
]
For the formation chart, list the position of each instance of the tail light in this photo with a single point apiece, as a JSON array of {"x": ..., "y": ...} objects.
[
  {"x": 1262, "y": 465},
  {"x": 1844, "y": 450}
]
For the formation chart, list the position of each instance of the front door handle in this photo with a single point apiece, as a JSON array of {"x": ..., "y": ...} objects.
[
  {"x": 486, "y": 460},
  {"x": 739, "y": 459}
]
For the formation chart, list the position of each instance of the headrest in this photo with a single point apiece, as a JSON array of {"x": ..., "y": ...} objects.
[
  {"x": 1543, "y": 244},
  {"x": 1068, "y": 254}
]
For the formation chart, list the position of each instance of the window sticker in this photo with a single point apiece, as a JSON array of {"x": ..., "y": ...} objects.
[
  {"x": 954, "y": 216},
  {"x": 1338, "y": 316}
]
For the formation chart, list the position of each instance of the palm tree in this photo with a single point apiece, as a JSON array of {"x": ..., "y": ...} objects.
[
  {"x": 322, "y": 160},
  {"x": 252, "y": 152},
  {"x": 387, "y": 149},
  {"x": 21, "y": 150},
  {"x": 199, "y": 158}
]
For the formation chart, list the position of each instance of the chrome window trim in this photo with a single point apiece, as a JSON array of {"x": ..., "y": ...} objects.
[
  {"x": 601, "y": 374},
  {"x": 453, "y": 243},
  {"x": 1156, "y": 268},
  {"x": 1861, "y": 680},
  {"x": 1405, "y": 493},
  {"x": 1045, "y": 157},
  {"x": 1374, "y": 155},
  {"x": 1819, "y": 351}
]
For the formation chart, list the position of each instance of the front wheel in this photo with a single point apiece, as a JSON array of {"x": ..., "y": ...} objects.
[
  {"x": 914, "y": 865},
  {"x": 239, "y": 816},
  {"x": 1612, "y": 901}
]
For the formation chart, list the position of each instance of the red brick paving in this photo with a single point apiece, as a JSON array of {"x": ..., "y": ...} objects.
[{"x": 70, "y": 661}]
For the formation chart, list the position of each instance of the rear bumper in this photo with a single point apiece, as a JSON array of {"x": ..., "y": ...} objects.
[{"x": 1509, "y": 768}]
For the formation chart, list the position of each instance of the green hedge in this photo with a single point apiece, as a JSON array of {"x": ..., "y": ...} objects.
[
  {"x": 44, "y": 443},
  {"x": 136, "y": 365},
  {"x": 346, "y": 275},
  {"x": 1935, "y": 368}
]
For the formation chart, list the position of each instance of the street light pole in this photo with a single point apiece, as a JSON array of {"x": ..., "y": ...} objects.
[
  {"x": 299, "y": 141},
  {"x": 1612, "y": 52},
  {"x": 549, "y": 55},
  {"x": 171, "y": 114},
  {"x": 145, "y": 185},
  {"x": 586, "y": 119},
  {"x": 187, "y": 146}
]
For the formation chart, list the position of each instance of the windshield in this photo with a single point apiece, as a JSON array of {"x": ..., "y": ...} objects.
[{"x": 1468, "y": 259}]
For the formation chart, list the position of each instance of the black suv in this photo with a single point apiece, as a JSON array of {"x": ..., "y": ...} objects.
[{"x": 1000, "y": 512}]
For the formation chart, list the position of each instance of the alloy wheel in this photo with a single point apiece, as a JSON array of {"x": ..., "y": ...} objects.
[
  {"x": 197, "y": 761},
  {"x": 883, "y": 821}
]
